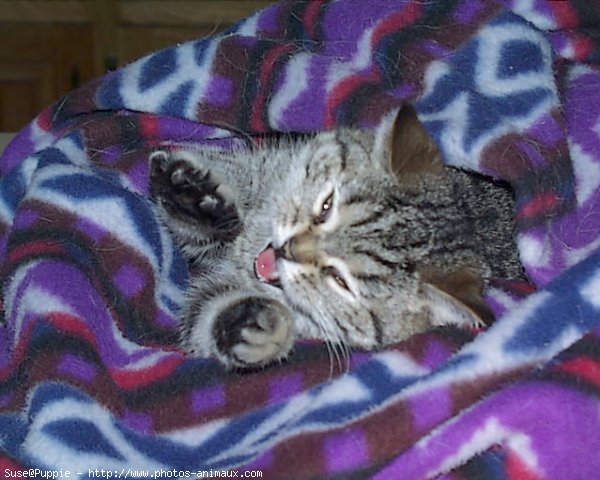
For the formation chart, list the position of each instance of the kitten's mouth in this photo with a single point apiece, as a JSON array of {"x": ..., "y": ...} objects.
[{"x": 265, "y": 266}]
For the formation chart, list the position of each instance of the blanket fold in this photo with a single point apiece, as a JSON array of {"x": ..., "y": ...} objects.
[{"x": 90, "y": 373}]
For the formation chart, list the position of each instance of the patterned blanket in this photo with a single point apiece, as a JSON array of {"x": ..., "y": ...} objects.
[{"x": 91, "y": 380}]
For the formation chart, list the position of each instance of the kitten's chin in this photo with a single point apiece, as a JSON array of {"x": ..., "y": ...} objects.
[{"x": 265, "y": 267}]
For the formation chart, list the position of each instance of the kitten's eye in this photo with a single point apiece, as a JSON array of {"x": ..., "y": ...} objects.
[
  {"x": 337, "y": 276},
  {"x": 325, "y": 211}
]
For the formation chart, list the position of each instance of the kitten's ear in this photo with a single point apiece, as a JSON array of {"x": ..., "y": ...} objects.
[
  {"x": 447, "y": 310},
  {"x": 406, "y": 145},
  {"x": 457, "y": 297}
]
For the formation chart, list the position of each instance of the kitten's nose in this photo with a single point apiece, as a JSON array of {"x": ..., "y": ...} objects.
[{"x": 301, "y": 248}]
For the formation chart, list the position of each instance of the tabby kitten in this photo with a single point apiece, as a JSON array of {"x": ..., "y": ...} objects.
[{"x": 360, "y": 238}]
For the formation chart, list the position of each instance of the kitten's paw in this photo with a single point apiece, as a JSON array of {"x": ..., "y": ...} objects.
[
  {"x": 190, "y": 194},
  {"x": 254, "y": 331}
]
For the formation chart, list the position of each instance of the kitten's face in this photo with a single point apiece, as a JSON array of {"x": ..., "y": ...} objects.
[{"x": 335, "y": 245}]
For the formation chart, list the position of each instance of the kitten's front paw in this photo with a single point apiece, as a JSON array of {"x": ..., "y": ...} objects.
[
  {"x": 253, "y": 332},
  {"x": 190, "y": 194}
]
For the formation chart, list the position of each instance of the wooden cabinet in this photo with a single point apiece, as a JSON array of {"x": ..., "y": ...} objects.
[{"x": 48, "y": 47}]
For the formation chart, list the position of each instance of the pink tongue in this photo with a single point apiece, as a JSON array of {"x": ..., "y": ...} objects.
[{"x": 266, "y": 265}]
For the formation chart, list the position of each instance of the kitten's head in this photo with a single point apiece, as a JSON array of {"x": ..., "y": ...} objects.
[{"x": 348, "y": 233}]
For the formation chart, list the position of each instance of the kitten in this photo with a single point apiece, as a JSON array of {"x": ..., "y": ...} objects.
[{"x": 360, "y": 238}]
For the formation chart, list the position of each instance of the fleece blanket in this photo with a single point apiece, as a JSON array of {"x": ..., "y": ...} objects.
[{"x": 91, "y": 380}]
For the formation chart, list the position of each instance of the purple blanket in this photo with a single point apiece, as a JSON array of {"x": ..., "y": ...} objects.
[{"x": 90, "y": 374}]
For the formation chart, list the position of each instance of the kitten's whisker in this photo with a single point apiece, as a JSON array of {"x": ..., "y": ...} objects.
[
  {"x": 345, "y": 355},
  {"x": 326, "y": 335},
  {"x": 330, "y": 344},
  {"x": 337, "y": 349},
  {"x": 330, "y": 357},
  {"x": 338, "y": 354},
  {"x": 330, "y": 348}
]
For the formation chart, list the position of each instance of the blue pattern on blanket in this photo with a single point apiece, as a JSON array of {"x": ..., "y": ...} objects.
[{"x": 498, "y": 83}]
